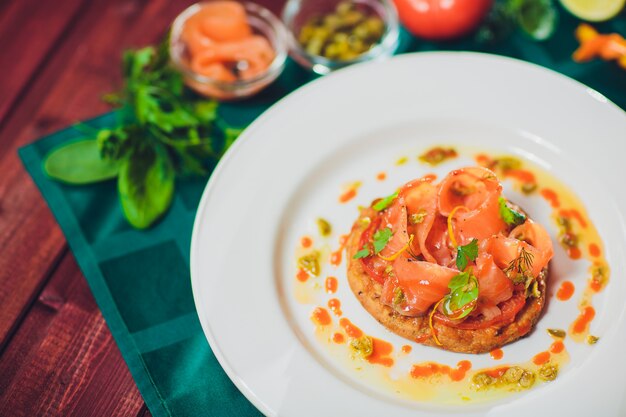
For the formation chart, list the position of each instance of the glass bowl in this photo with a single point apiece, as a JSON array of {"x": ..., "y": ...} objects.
[
  {"x": 298, "y": 12},
  {"x": 262, "y": 22}
]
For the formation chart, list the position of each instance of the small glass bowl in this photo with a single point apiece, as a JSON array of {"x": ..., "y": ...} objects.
[
  {"x": 264, "y": 23},
  {"x": 298, "y": 12}
]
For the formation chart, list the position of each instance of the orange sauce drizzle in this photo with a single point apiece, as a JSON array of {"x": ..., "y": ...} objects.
[
  {"x": 321, "y": 317},
  {"x": 306, "y": 242},
  {"x": 350, "y": 329},
  {"x": 557, "y": 347},
  {"x": 551, "y": 197},
  {"x": 431, "y": 368},
  {"x": 406, "y": 348},
  {"x": 335, "y": 306},
  {"x": 594, "y": 250},
  {"x": 302, "y": 275},
  {"x": 541, "y": 358},
  {"x": 496, "y": 354},
  {"x": 338, "y": 338},
  {"x": 581, "y": 324},
  {"x": 380, "y": 353},
  {"x": 574, "y": 214},
  {"x": 521, "y": 175},
  {"x": 381, "y": 176},
  {"x": 565, "y": 291},
  {"x": 347, "y": 196},
  {"x": 497, "y": 372},
  {"x": 330, "y": 285},
  {"x": 335, "y": 257}
]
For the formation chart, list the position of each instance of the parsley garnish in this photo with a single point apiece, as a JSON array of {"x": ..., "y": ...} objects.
[
  {"x": 466, "y": 253},
  {"x": 462, "y": 297},
  {"x": 510, "y": 216},
  {"x": 363, "y": 253},
  {"x": 385, "y": 202},
  {"x": 381, "y": 238}
]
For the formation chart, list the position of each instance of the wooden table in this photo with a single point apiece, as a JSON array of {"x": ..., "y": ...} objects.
[{"x": 57, "y": 356}]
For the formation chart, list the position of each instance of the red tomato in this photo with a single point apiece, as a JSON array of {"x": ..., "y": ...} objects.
[{"x": 441, "y": 19}]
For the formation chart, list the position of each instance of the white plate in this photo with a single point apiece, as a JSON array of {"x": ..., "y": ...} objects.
[{"x": 288, "y": 167}]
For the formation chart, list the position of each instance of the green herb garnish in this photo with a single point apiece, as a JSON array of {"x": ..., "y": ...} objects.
[
  {"x": 511, "y": 217},
  {"x": 466, "y": 253},
  {"x": 385, "y": 202},
  {"x": 519, "y": 269},
  {"x": 463, "y": 295},
  {"x": 381, "y": 238},
  {"x": 363, "y": 253},
  {"x": 164, "y": 131},
  {"x": 536, "y": 18}
]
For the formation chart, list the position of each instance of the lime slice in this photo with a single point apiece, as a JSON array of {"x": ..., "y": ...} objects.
[{"x": 594, "y": 10}]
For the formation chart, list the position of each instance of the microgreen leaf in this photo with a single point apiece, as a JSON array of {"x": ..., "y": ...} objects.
[
  {"x": 381, "y": 238},
  {"x": 363, "y": 253},
  {"x": 459, "y": 280},
  {"x": 462, "y": 297},
  {"x": 466, "y": 253},
  {"x": 79, "y": 163},
  {"x": 385, "y": 202},
  {"x": 510, "y": 216}
]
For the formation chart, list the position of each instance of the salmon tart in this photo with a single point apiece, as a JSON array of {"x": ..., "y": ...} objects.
[{"x": 452, "y": 264}]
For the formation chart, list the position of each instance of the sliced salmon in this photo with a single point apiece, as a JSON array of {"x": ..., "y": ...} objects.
[
  {"x": 395, "y": 218},
  {"x": 494, "y": 286},
  {"x": 421, "y": 202},
  {"x": 438, "y": 248},
  {"x": 422, "y": 283}
]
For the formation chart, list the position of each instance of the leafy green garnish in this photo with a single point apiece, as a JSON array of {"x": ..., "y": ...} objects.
[
  {"x": 519, "y": 269},
  {"x": 510, "y": 216},
  {"x": 536, "y": 18},
  {"x": 363, "y": 253},
  {"x": 385, "y": 202},
  {"x": 466, "y": 253},
  {"x": 463, "y": 295},
  {"x": 164, "y": 131},
  {"x": 381, "y": 238}
]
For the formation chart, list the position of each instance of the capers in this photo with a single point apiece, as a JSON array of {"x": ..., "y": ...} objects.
[
  {"x": 548, "y": 372},
  {"x": 506, "y": 163},
  {"x": 310, "y": 263},
  {"x": 592, "y": 340},
  {"x": 362, "y": 346},
  {"x": 513, "y": 374},
  {"x": 529, "y": 187},
  {"x": 324, "y": 227},
  {"x": 343, "y": 34},
  {"x": 398, "y": 296},
  {"x": 417, "y": 218},
  {"x": 482, "y": 381},
  {"x": 560, "y": 333},
  {"x": 527, "y": 380}
]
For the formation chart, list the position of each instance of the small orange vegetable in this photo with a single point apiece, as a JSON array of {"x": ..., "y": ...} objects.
[{"x": 593, "y": 44}]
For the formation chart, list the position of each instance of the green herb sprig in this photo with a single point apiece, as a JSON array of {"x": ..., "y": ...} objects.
[
  {"x": 466, "y": 253},
  {"x": 463, "y": 295},
  {"x": 165, "y": 131},
  {"x": 511, "y": 217},
  {"x": 381, "y": 238}
]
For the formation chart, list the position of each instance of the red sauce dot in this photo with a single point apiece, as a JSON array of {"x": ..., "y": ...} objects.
[
  {"x": 497, "y": 372},
  {"x": 381, "y": 176},
  {"x": 380, "y": 353},
  {"x": 557, "y": 347},
  {"x": 596, "y": 286},
  {"x": 350, "y": 329},
  {"x": 496, "y": 354},
  {"x": 335, "y": 257},
  {"x": 482, "y": 160},
  {"x": 302, "y": 275},
  {"x": 541, "y": 358},
  {"x": 306, "y": 242},
  {"x": 574, "y": 253},
  {"x": 338, "y": 338},
  {"x": 321, "y": 317},
  {"x": 582, "y": 321},
  {"x": 594, "y": 250},
  {"x": 406, "y": 349},
  {"x": 565, "y": 291},
  {"x": 462, "y": 367},
  {"x": 335, "y": 306},
  {"x": 347, "y": 196},
  {"x": 551, "y": 197},
  {"x": 343, "y": 239},
  {"x": 331, "y": 285}
]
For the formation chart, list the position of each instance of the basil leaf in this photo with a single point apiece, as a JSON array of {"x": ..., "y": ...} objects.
[
  {"x": 466, "y": 253},
  {"x": 381, "y": 238},
  {"x": 510, "y": 216},
  {"x": 146, "y": 186},
  {"x": 385, "y": 202},
  {"x": 79, "y": 163}
]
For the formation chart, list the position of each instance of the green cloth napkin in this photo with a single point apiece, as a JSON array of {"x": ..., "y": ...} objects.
[{"x": 140, "y": 279}]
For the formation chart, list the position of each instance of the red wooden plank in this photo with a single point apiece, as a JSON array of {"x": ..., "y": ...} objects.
[
  {"x": 68, "y": 89},
  {"x": 29, "y": 31},
  {"x": 63, "y": 361}
]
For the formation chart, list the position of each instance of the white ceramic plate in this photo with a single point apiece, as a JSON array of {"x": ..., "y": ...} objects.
[{"x": 288, "y": 168}]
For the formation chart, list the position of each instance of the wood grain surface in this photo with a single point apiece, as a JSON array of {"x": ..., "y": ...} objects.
[{"x": 57, "y": 357}]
